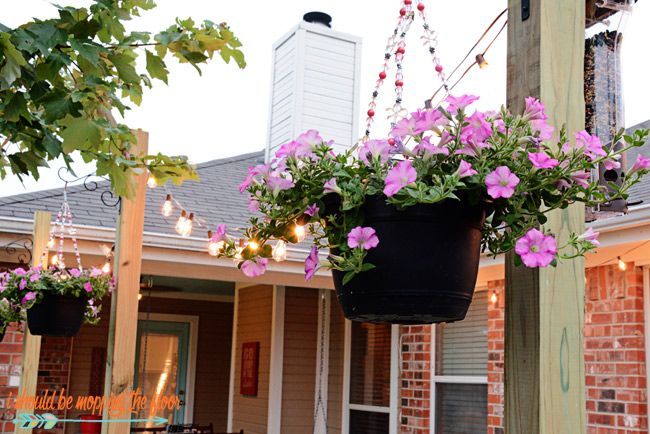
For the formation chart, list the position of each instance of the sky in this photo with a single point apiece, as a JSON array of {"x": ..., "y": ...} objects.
[{"x": 224, "y": 112}]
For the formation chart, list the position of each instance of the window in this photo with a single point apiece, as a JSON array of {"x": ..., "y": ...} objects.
[{"x": 460, "y": 377}]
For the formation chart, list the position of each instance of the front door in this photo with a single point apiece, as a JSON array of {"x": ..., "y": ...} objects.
[{"x": 161, "y": 364}]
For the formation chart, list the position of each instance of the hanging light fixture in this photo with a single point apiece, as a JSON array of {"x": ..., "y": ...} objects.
[
  {"x": 494, "y": 297},
  {"x": 167, "y": 207},
  {"x": 280, "y": 251},
  {"x": 300, "y": 232}
]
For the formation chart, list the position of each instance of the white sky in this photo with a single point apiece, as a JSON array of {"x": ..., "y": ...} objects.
[{"x": 225, "y": 111}]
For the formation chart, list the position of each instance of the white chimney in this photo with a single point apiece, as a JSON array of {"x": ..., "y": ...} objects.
[{"x": 315, "y": 84}]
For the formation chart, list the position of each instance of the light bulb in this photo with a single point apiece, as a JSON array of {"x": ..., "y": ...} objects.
[
  {"x": 187, "y": 227},
  {"x": 54, "y": 260},
  {"x": 167, "y": 207},
  {"x": 151, "y": 181},
  {"x": 481, "y": 62},
  {"x": 299, "y": 230},
  {"x": 280, "y": 251},
  {"x": 50, "y": 243},
  {"x": 139, "y": 296},
  {"x": 494, "y": 298},
  {"x": 180, "y": 224},
  {"x": 238, "y": 254},
  {"x": 621, "y": 265},
  {"x": 253, "y": 245},
  {"x": 106, "y": 268},
  {"x": 214, "y": 247}
]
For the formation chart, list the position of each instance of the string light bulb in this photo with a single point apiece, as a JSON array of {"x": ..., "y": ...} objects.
[
  {"x": 139, "y": 296},
  {"x": 481, "y": 62},
  {"x": 299, "y": 230},
  {"x": 214, "y": 247},
  {"x": 106, "y": 268},
  {"x": 54, "y": 260},
  {"x": 184, "y": 224},
  {"x": 253, "y": 245},
  {"x": 280, "y": 251},
  {"x": 621, "y": 265},
  {"x": 151, "y": 181},
  {"x": 50, "y": 243},
  {"x": 167, "y": 207},
  {"x": 494, "y": 297}
]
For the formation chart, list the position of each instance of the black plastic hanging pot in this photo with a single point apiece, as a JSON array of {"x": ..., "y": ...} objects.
[
  {"x": 57, "y": 315},
  {"x": 426, "y": 264}
]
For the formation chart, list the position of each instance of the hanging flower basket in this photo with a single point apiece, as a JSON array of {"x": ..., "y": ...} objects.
[
  {"x": 57, "y": 315},
  {"x": 414, "y": 282}
]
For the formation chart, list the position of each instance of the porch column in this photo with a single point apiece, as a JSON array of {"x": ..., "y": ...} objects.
[
  {"x": 544, "y": 362},
  {"x": 120, "y": 356}
]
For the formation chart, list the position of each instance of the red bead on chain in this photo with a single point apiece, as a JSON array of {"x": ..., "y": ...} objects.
[
  {"x": 402, "y": 12},
  {"x": 382, "y": 75},
  {"x": 391, "y": 141},
  {"x": 438, "y": 68},
  {"x": 399, "y": 83},
  {"x": 400, "y": 50},
  {"x": 420, "y": 7},
  {"x": 408, "y": 2},
  {"x": 371, "y": 113}
]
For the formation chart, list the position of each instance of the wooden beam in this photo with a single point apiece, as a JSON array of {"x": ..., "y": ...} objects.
[
  {"x": 120, "y": 357},
  {"x": 31, "y": 343},
  {"x": 544, "y": 360}
]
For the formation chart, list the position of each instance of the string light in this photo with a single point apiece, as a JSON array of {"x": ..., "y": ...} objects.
[
  {"x": 621, "y": 265},
  {"x": 494, "y": 297},
  {"x": 139, "y": 296},
  {"x": 253, "y": 245},
  {"x": 280, "y": 251},
  {"x": 106, "y": 268},
  {"x": 54, "y": 260},
  {"x": 167, "y": 207},
  {"x": 151, "y": 181},
  {"x": 50, "y": 243},
  {"x": 299, "y": 231},
  {"x": 481, "y": 62},
  {"x": 184, "y": 224},
  {"x": 214, "y": 247}
]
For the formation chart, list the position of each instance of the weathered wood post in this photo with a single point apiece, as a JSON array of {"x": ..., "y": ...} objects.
[
  {"x": 544, "y": 360},
  {"x": 120, "y": 356},
  {"x": 31, "y": 343}
]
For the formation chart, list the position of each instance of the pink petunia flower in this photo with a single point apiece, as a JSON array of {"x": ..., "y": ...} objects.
[
  {"x": 534, "y": 110},
  {"x": 253, "y": 171},
  {"x": 611, "y": 164},
  {"x": 592, "y": 146},
  {"x": 426, "y": 149},
  {"x": 307, "y": 143},
  {"x": 374, "y": 149},
  {"x": 641, "y": 163},
  {"x": 253, "y": 205},
  {"x": 501, "y": 182},
  {"x": 20, "y": 271},
  {"x": 28, "y": 297},
  {"x": 399, "y": 177},
  {"x": 536, "y": 249},
  {"x": 405, "y": 127},
  {"x": 95, "y": 272},
  {"x": 254, "y": 268},
  {"x": 311, "y": 263},
  {"x": 477, "y": 131},
  {"x": 74, "y": 272},
  {"x": 276, "y": 183},
  {"x": 330, "y": 186},
  {"x": 426, "y": 120},
  {"x": 543, "y": 129},
  {"x": 23, "y": 284},
  {"x": 219, "y": 234},
  {"x": 88, "y": 287},
  {"x": 362, "y": 237},
  {"x": 34, "y": 277},
  {"x": 591, "y": 236},
  {"x": 541, "y": 160},
  {"x": 465, "y": 169},
  {"x": 459, "y": 103},
  {"x": 581, "y": 178},
  {"x": 312, "y": 210}
]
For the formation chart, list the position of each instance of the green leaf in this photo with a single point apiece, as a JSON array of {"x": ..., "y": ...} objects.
[
  {"x": 125, "y": 67},
  {"x": 57, "y": 105},
  {"x": 156, "y": 67},
  {"x": 86, "y": 50},
  {"x": 79, "y": 133},
  {"x": 348, "y": 276},
  {"x": 16, "y": 108}
]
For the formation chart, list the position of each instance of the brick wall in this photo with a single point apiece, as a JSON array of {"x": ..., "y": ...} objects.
[
  {"x": 495, "y": 357},
  {"x": 415, "y": 379},
  {"x": 11, "y": 350}
]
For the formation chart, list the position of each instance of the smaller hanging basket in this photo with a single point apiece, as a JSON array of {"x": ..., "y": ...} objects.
[
  {"x": 426, "y": 264},
  {"x": 57, "y": 315}
]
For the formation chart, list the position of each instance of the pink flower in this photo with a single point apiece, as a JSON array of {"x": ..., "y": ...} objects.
[
  {"x": 254, "y": 268},
  {"x": 641, "y": 163},
  {"x": 88, "y": 287},
  {"x": 34, "y": 277},
  {"x": 591, "y": 144},
  {"x": 459, "y": 103},
  {"x": 591, "y": 236},
  {"x": 277, "y": 183},
  {"x": 220, "y": 234},
  {"x": 23, "y": 284},
  {"x": 330, "y": 186},
  {"x": 311, "y": 263},
  {"x": 362, "y": 237},
  {"x": 426, "y": 120},
  {"x": 477, "y": 130},
  {"x": 541, "y": 160},
  {"x": 399, "y": 177},
  {"x": 74, "y": 272},
  {"x": 611, "y": 164},
  {"x": 28, "y": 296},
  {"x": 536, "y": 249},
  {"x": 581, "y": 178},
  {"x": 253, "y": 205},
  {"x": 312, "y": 210},
  {"x": 534, "y": 110},
  {"x": 374, "y": 149},
  {"x": 307, "y": 142},
  {"x": 20, "y": 272},
  {"x": 405, "y": 127},
  {"x": 543, "y": 130},
  {"x": 253, "y": 171},
  {"x": 501, "y": 182},
  {"x": 426, "y": 149},
  {"x": 465, "y": 169}
]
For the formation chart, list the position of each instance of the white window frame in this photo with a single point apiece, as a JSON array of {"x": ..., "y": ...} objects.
[
  {"x": 447, "y": 379},
  {"x": 392, "y": 410}
]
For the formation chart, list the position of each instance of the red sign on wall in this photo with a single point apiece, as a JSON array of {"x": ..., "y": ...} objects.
[{"x": 250, "y": 357}]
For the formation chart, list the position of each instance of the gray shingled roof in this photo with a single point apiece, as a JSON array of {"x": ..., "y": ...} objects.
[{"x": 215, "y": 198}]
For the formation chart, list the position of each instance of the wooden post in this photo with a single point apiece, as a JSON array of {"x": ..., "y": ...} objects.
[
  {"x": 544, "y": 360},
  {"x": 120, "y": 356},
  {"x": 31, "y": 343}
]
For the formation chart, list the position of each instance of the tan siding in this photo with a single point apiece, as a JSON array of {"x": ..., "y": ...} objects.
[
  {"x": 213, "y": 355},
  {"x": 254, "y": 325},
  {"x": 299, "y": 368},
  {"x": 335, "y": 387}
]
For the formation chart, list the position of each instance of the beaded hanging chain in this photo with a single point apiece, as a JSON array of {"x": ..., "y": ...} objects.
[
  {"x": 63, "y": 219},
  {"x": 396, "y": 48}
]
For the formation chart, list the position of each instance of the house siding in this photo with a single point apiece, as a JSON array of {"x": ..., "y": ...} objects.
[{"x": 336, "y": 364}]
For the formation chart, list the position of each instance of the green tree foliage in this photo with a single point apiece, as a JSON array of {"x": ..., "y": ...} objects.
[{"x": 60, "y": 78}]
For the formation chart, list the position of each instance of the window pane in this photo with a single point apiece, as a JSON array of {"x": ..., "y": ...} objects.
[
  {"x": 370, "y": 364},
  {"x": 461, "y": 408},
  {"x": 366, "y": 422},
  {"x": 461, "y": 347}
]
